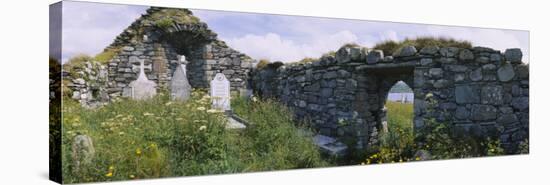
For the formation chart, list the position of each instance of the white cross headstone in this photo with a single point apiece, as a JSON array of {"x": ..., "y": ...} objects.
[
  {"x": 219, "y": 91},
  {"x": 142, "y": 88},
  {"x": 179, "y": 86}
]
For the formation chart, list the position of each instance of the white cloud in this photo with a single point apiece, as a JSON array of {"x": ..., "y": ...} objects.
[
  {"x": 389, "y": 35},
  {"x": 274, "y": 47},
  {"x": 493, "y": 38},
  {"x": 90, "y": 27}
]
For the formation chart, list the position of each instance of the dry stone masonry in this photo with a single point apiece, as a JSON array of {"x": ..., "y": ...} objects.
[
  {"x": 478, "y": 91},
  {"x": 160, "y": 38}
]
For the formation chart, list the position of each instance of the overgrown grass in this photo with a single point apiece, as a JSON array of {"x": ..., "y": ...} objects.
[
  {"x": 278, "y": 143},
  {"x": 106, "y": 56},
  {"x": 390, "y": 46},
  {"x": 76, "y": 63},
  {"x": 161, "y": 138}
]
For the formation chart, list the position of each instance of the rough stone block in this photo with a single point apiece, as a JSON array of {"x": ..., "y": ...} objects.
[
  {"x": 492, "y": 95},
  {"x": 467, "y": 94}
]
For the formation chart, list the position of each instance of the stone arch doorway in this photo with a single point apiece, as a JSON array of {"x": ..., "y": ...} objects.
[{"x": 374, "y": 85}]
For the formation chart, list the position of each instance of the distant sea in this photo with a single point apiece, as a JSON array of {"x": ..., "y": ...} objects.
[{"x": 399, "y": 97}]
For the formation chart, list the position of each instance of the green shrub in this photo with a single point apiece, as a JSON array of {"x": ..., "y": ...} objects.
[{"x": 390, "y": 46}]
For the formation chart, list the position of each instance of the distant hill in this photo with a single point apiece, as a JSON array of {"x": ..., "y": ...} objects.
[{"x": 401, "y": 87}]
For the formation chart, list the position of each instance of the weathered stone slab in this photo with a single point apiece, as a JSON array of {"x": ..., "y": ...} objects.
[
  {"x": 220, "y": 92},
  {"x": 513, "y": 55},
  {"x": 82, "y": 152},
  {"x": 375, "y": 56},
  {"x": 330, "y": 145},
  {"x": 506, "y": 72},
  {"x": 180, "y": 89},
  {"x": 483, "y": 112},
  {"x": 142, "y": 88},
  {"x": 467, "y": 94}
]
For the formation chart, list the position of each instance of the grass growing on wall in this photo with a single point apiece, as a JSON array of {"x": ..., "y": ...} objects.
[
  {"x": 161, "y": 138},
  {"x": 389, "y": 47}
]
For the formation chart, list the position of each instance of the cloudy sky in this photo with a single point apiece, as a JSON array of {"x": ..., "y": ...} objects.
[{"x": 90, "y": 27}]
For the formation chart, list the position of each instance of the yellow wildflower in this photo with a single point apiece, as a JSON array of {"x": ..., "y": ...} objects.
[
  {"x": 111, "y": 168},
  {"x": 417, "y": 158},
  {"x": 132, "y": 176},
  {"x": 138, "y": 151},
  {"x": 110, "y": 174}
]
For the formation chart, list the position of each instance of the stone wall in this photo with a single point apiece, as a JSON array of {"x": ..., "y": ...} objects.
[
  {"x": 478, "y": 91},
  {"x": 161, "y": 47},
  {"x": 89, "y": 85},
  {"x": 161, "y": 37}
]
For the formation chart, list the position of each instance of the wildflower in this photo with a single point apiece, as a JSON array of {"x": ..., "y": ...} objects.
[
  {"x": 417, "y": 158},
  {"x": 201, "y": 108},
  {"x": 132, "y": 176},
  {"x": 153, "y": 145},
  {"x": 202, "y": 127},
  {"x": 254, "y": 99},
  {"x": 138, "y": 152},
  {"x": 111, "y": 168},
  {"x": 429, "y": 95},
  {"x": 213, "y": 111},
  {"x": 110, "y": 174}
]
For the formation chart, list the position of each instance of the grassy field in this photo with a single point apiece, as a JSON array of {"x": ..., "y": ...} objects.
[{"x": 161, "y": 138}]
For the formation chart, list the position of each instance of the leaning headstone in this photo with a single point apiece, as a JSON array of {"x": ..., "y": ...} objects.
[
  {"x": 219, "y": 91},
  {"x": 142, "y": 88},
  {"x": 179, "y": 86},
  {"x": 82, "y": 152}
]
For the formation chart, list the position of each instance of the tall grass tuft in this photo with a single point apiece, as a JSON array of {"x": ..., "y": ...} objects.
[{"x": 390, "y": 46}]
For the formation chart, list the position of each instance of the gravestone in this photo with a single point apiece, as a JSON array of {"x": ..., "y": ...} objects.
[
  {"x": 179, "y": 86},
  {"x": 142, "y": 88},
  {"x": 82, "y": 152},
  {"x": 219, "y": 91}
]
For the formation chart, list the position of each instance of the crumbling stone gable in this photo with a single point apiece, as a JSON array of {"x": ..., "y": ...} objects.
[{"x": 160, "y": 37}]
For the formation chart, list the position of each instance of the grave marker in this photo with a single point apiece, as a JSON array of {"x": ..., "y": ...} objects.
[
  {"x": 179, "y": 86},
  {"x": 142, "y": 88},
  {"x": 219, "y": 91}
]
